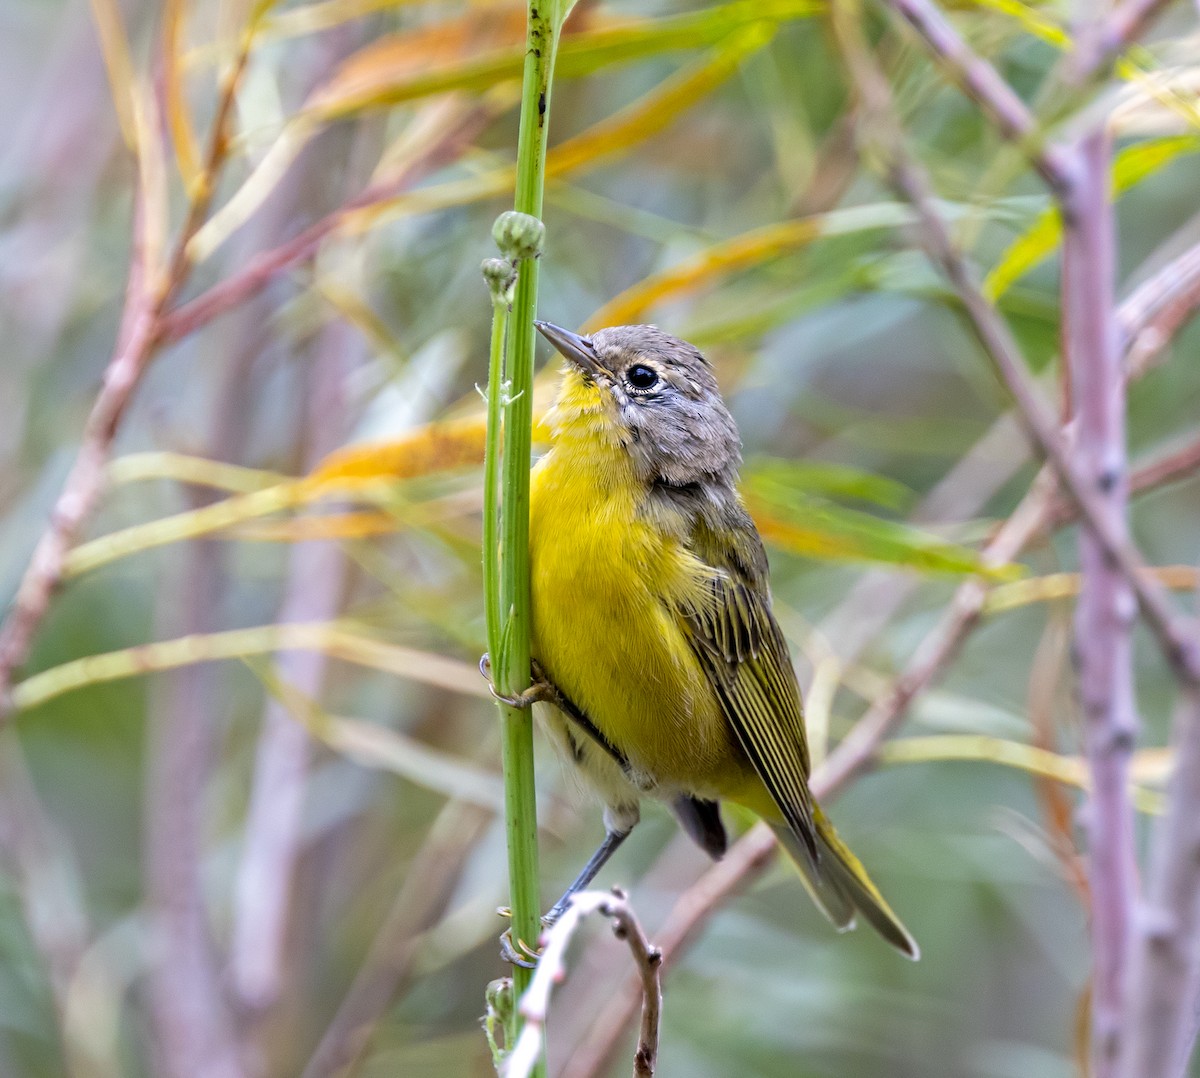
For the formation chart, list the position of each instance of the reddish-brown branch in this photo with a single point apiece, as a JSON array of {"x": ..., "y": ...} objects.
[
  {"x": 145, "y": 301},
  {"x": 78, "y": 497},
  {"x": 1168, "y": 468},
  {"x": 265, "y": 267},
  {"x": 1177, "y": 464}
]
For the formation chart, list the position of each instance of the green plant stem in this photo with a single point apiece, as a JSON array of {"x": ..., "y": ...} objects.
[
  {"x": 491, "y": 477},
  {"x": 511, "y": 665}
]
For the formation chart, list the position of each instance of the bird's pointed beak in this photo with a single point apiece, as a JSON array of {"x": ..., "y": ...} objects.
[{"x": 579, "y": 350}]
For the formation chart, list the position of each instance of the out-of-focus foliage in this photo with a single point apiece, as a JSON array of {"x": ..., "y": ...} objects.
[{"x": 203, "y": 845}]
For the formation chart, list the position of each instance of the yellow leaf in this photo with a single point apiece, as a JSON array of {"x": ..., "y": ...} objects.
[
  {"x": 637, "y": 122},
  {"x": 179, "y": 120},
  {"x": 1028, "y": 250},
  {"x": 367, "y": 472},
  {"x": 1070, "y": 770},
  {"x": 254, "y": 191},
  {"x": 414, "y": 64},
  {"x": 435, "y": 447},
  {"x": 323, "y": 15},
  {"x": 1044, "y": 589},
  {"x": 417, "y": 62},
  {"x": 114, "y": 48},
  {"x": 199, "y": 471},
  {"x": 371, "y": 745},
  {"x": 363, "y": 525},
  {"x": 337, "y": 640},
  {"x": 1032, "y": 21}
]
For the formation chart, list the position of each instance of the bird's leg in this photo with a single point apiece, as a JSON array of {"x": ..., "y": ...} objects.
[
  {"x": 518, "y": 952},
  {"x": 612, "y": 840},
  {"x": 619, "y": 820}
]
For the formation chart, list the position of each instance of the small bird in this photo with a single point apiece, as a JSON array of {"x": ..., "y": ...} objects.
[{"x": 660, "y": 669}]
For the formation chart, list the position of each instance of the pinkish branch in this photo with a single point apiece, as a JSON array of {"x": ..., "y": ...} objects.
[
  {"x": 1158, "y": 309},
  {"x": 1106, "y": 610},
  {"x": 1164, "y": 968},
  {"x": 1104, "y": 44}
]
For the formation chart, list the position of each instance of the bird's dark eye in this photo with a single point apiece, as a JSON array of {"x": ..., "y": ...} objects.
[{"x": 640, "y": 376}]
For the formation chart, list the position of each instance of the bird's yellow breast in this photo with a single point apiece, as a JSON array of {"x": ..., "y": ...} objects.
[{"x": 603, "y": 630}]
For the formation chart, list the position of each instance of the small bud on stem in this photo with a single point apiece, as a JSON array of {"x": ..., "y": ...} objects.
[
  {"x": 501, "y": 276},
  {"x": 519, "y": 235}
]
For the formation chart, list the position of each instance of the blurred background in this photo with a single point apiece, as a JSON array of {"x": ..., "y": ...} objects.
[{"x": 276, "y": 851}]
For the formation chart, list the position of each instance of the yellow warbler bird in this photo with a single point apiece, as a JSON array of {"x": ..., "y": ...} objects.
[{"x": 663, "y": 668}]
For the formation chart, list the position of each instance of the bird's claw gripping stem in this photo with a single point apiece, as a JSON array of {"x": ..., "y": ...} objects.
[
  {"x": 541, "y": 689},
  {"x": 516, "y": 951}
]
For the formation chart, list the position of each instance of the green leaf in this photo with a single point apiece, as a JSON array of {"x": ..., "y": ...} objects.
[
  {"x": 815, "y": 528},
  {"x": 780, "y": 478}
]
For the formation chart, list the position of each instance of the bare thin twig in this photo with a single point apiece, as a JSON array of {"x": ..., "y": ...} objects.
[
  {"x": 1169, "y": 467},
  {"x": 1154, "y": 312},
  {"x": 535, "y": 1003}
]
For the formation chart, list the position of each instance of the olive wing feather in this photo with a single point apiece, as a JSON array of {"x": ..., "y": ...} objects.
[{"x": 743, "y": 653}]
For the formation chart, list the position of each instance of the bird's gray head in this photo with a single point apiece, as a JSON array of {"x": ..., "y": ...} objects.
[{"x": 657, "y": 396}]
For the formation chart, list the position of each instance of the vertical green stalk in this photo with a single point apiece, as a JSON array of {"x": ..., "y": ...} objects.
[
  {"x": 519, "y": 237},
  {"x": 500, "y": 276}
]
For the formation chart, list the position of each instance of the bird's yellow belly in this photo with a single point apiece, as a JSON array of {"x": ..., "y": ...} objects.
[{"x": 610, "y": 644}]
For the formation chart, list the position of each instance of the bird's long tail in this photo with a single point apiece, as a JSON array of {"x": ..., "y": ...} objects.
[{"x": 840, "y": 885}]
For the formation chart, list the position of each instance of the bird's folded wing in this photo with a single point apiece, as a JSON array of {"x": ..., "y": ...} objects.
[{"x": 742, "y": 651}]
